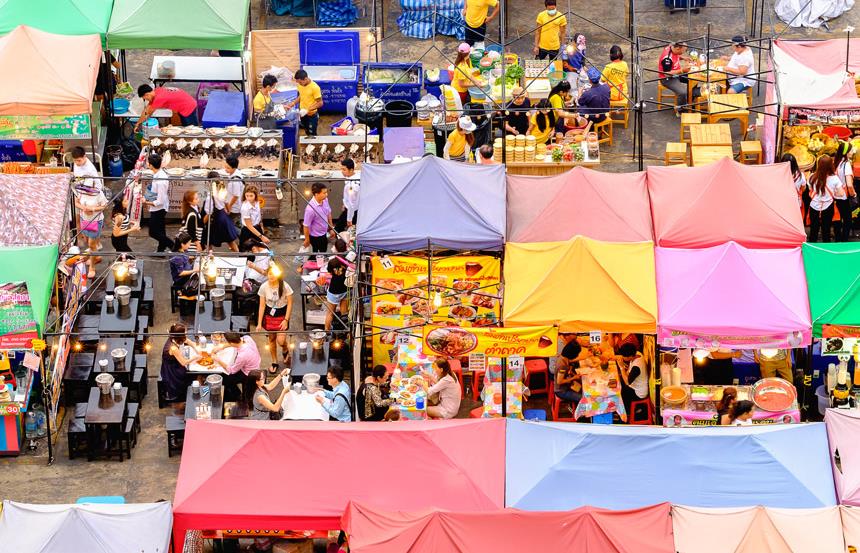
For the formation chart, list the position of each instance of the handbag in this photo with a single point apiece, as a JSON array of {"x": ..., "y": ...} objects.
[{"x": 91, "y": 225}]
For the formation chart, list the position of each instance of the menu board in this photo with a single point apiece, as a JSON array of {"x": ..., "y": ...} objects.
[
  {"x": 18, "y": 327},
  {"x": 58, "y": 127},
  {"x": 409, "y": 292}
]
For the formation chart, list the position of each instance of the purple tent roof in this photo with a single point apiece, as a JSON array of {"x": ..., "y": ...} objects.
[{"x": 454, "y": 205}]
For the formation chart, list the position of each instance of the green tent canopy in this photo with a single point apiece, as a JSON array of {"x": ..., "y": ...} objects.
[
  {"x": 833, "y": 280},
  {"x": 178, "y": 24},
  {"x": 37, "y": 266},
  {"x": 61, "y": 17}
]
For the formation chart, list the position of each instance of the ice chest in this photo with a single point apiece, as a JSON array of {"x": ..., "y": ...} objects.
[
  {"x": 332, "y": 60},
  {"x": 409, "y": 81},
  {"x": 224, "y": 109}
]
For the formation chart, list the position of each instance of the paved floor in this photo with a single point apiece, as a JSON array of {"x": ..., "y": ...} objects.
[{"x": 150, "y": 475}]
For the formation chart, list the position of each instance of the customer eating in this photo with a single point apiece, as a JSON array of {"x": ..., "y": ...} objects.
[
  {"x": 335, "y": 402},
  {"x": 741, "y": 64},
  {"x": 444, "y": 394},
  {"x": 255, "y": 396},
  {"x": 174, "y": 364},
  {"x": 247, "y": 359}
]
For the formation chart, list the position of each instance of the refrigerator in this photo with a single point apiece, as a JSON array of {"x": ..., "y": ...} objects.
[{"x": 332, "y": 60}]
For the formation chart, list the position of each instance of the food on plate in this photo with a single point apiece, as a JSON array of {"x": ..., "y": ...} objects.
[
  {"x": 463, "y": 312},
  {"x": 417, "y": 379},
  {"x": 544, "y": 342},
  {"x": 205, "y": 360},
  {"x": 412, "y": 388},
  {"x": 833, "y": 344},
  {"x": 438, "y": 281},
  {"x": 387, "y": 308},
  {"x": 483, "y": 300},
  {"x": 486, "y": 319},
  {"x": 473, "y": 268},
  {"x": 389, "y": 337},
  {"x": 451, "y": 341},
  {"x": 423, "y": 307},
  {"x": 466, "y": 285},
  {"x": 171, "y": 130},
  {"x": 410, "y": 296},
  {"x": 407, "y": 402},
  {"x": 674, "y": 395},
  {"x": 215, "y": 131},
  {"x": 391, "y": 284}
]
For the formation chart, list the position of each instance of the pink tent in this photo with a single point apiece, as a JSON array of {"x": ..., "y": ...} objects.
[
  {"x": 698, "y": 207},
  {"x": 812, "y": 73},
  {"x": 319, "y": 467},
  {"x": 843, "y": 427},
  {"x": 612, "y": 207},
  {"x": 756, "y": 530},
  {"x": 850, "y": 525},
  {"x": 585, "y": 530},
  {"x": 737, "y": 297}
]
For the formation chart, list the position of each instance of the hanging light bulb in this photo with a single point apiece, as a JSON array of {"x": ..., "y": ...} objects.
[
  {"x": 768, "y": 353},
  {"x": 437, "y": 300},
  {"x": 78, "y": 346},
  {"x": 700, "y": 354},
  {"x": 336, "y": 344},
  {"x": 147, "y": 346},
  {"x": 120, "y": 271},
  {"x": 103, "y": 346},
  {"x": 569, "y": 49},
  {"x": 307, "y": 192},
  {"x": 276, "y": 270}
]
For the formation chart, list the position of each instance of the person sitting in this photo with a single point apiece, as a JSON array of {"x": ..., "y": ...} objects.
[
  {"x": 741, "y": 64},
  {"x": 247, "y": 359},
  {"x": 336, "y": 401},
  {"x": 594, "y": 102},
  {"x": 516, "y": 118},
  {"x": 672, "y": 73},
  {"x": 255, "y": 396},
  {"x": 256, "y": 271},
  {"x": 741, "y": 414},
  {"x": 371, "y": 405},
  {"x": 615, "y": 74},
  {"x": 444, "y": 393},
  {"x": 486, "y": 155},
  {"x": 726, "y": 404},
  {"x": 174, "y": 364},
  {"x": 568, "y": 384},
  {"x": 181, "y": 269},
  {"x": 542, "y": 122},
  {"x": 634, "y": 375}
]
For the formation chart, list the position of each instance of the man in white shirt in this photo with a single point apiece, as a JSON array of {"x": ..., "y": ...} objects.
[
  {"x": 742, "y": 64},
  {"x": 350, "y": 194},
  {"x": 83, "y": 168},
  {"x": 158, "y": 207},
  {"x": 235, "y": 189}
]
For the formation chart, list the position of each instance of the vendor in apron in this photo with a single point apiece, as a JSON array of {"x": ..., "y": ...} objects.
[{"x": 263, "y": 104}]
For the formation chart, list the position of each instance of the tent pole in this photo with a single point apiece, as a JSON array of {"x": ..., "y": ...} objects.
[
  {"x": 503, "y": 12},
  {"x": 46, "y": 398}
]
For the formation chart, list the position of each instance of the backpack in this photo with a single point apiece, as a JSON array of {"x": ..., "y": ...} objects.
[{"x": 359, "y": 402}]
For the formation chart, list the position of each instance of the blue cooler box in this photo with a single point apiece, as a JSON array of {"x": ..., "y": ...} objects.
[
  {"x": 435, "y": 88},
  {"x": 332, "y": 59},
  {"x": 224, "y": 109},
  {"x": 399, "y": 91},
  {"x": 289, "y": 129}
]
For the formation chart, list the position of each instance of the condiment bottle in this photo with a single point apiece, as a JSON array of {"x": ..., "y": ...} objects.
[{"x": 840, "y": 395}]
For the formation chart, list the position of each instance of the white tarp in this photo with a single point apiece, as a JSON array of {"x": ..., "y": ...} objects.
[
  {"x": 800, "y": 85},
  {"x": 810, "y": 13},
  {"x": 90, "y": 528}
]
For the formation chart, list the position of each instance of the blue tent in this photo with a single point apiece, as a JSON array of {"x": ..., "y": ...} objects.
[
  {"x": 453, "y": 205},
  {"x": 560, "y": 466}
]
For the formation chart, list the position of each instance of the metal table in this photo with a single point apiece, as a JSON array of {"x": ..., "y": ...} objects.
[
  {"x": 106, "y": 345},
  {"x": 108, "y": 413},
  {"x": 136, "y": 286},
  {"x": 196, "y": 69},
  {"x": 205, "y": 322},
  {"x": 119, "y": 320},
  {"x": 191, "y": 403}
]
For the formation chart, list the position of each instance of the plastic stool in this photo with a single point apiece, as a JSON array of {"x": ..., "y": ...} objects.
[
  {"x": 605, "y": 418},
  {"x": 476, "y": 413},
  {"x": 534, "y": 414},
  {"x": 649, "y": 411}
]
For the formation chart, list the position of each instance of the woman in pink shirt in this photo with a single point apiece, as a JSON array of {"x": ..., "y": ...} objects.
[
  {"x": 167, "y": 97},
  {"x": 446, "y": 388}
]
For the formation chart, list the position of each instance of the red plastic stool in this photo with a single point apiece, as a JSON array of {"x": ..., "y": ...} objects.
[
  {"x": 649, "y": 412},
  {"x": 534, "y": 367},
  {"x": 477, "y": 412},
  {"x": 555, "y": 406},
  {"x": 477, "y": 383},
  {"x": 457, "y": 368}
]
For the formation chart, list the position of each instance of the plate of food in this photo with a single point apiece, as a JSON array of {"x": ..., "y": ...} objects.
[
  {"x": 773, "y": 394},
  {"x": 248, "y": 172},
  {"x": 235, "y": 129},
  {"x": 175, "y": 171},
  {"x": 170, "y": 130},
  {"x": 389, "y": 284},
  {"x": 193, "y": 130},
  {"x": 466, "y": 285},
  {"x": 451, "y": 341},
  {"x": 483, "y": 300},
  {"x": 387, "y": 308},
  {"x": 205, "y": 360},
  {"x": 407, "y": 402},
  {"x": 388, "y": 338},
  {"x": 215, "y": 131},
  {"x": 412, "y": 388},
  {"x": 423, "y": 307},
  {"x": 198, "y": 172},
  {"x": 485, "y": 319},
  {"x": 463, "y": 312}
]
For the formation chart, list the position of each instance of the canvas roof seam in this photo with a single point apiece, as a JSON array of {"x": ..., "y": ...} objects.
[
  {"x": 618, "y": 285},
  {"x": 220, "y": 16},
  {"x": 86, "y": 16},
  {"x": 385, "y": 208},
  {"x": 478, "y": 214},
  {"x": 681, "y": 214},
  {"x": 800, "y": 316},
  {"x": 838, "y": 302},
  {"x": 428, "y": 437},
  {"x": 742, "y": 170},
  {"x": 588, "y": 173},
  {"x": 788, "y": 470}
]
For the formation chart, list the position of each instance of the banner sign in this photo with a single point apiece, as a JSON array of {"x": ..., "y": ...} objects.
[
  {"x": 683, "y": 339},
  {"x": 840, "y": 331},
  {"x": 409, "y": 292},
  {"x": 452, "y": 341},
  {"x": 45, "y": 127},
  {"x": 18, "y": 327}
]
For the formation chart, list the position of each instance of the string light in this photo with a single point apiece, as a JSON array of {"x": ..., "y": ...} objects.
[
  {"x": 78, "y": 346},
  {"x": 275, "y": 270},
  {"x": 147, "y": 346},
  {"x": 336, "y": 344},
  {"x": 569, "y": 49},
  {"x": 307, "y": 192},
  {"x": 437, "y": 300},
  {"x": 371, "y": 36},
  {"x": 103, "y": 347},
  {"x": 267, "y": 347}
]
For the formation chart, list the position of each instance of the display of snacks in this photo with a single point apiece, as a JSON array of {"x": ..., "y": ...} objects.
[{"x": 326, "y": 152}]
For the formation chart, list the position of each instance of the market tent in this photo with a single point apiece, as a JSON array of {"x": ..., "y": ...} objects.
[
  {"x": 63, "y": 17},
  {"x": 585, "y": 530},
  {"x": 812, "y": 73},
  {"x": 733, "y": 295},
  {"x": 757, "y": 529},
  {"x": 842, "y": 429},
  {"x": 53, "y": 74},
  {"x": 850, "y": 526},
  {"x": 612, "y": 207},
  {"x": 698, "y": 207},
  {"x": 559, "y": 466},
  {"x": 454, "y": 464},
  {"x": 433, "y": 201},
  {"x": 94, "y": 528},
  {"x": 581, "y": 285},
  {"x": 32, "y": 209},
  {"x": 172, "y": 25},
  {"x": 36, "y": 266},
  {"x": 833, "y": 281}
]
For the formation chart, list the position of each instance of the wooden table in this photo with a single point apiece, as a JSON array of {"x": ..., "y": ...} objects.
[
  {"x": 119, "y": 319},
  {"x": 717, "y": 134},
  {"x": 108, "y": 414},
  {"x": 705, "y": 77},
  {"x": 703, "y": 155},
  {"x": 205, "y": 321},
  {"x": 543, "y": 169},
  {"x": 216, "y": 402},
  {"x": 729, "y": 106}
]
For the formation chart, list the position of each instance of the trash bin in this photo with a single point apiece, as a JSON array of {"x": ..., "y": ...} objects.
[
  {"x": 440, "y": 135},
  {"x": 398, "y": 113},
  {"x": 372, "y": 118}
]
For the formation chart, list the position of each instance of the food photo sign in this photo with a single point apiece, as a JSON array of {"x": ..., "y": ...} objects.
[{"x": 18, "y": 327}]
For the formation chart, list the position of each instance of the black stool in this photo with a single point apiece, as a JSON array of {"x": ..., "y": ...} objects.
[
  {"x": 77, "y": 437},
  {"x": 175, "y": 434}
]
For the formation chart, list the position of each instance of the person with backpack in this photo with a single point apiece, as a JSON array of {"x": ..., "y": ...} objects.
[
  {"x": 336, "y": 401},
  {"x": 371, "y": 405}
]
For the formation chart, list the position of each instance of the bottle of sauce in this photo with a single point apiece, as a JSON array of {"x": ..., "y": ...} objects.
[{"x": 840, "y": 396}]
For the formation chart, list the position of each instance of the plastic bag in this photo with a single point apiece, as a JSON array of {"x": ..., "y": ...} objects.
[
  {"x": 300, "y": 259},
  {"x": 283, "y": 74}
]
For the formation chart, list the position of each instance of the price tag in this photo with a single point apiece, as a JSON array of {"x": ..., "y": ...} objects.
[
  {"x": 386, "y": 263},
  {"x": 516, "y": 362},
  {"x": 31, "y": 361},
  {"x": 595, "y": 337},
  {"x": 477, "y": 362}
]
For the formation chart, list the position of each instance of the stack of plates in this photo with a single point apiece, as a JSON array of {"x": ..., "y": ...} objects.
[
  {"x": 530, "y": 153},
  {"x": 497, "y": 150},
  {"x": 540, "y": 149},
  {"x": 509, "y": 153},
  {"x": 520, "y": 141},
  {"x": 531, "y": 140},
  {"x": 519, "y": 154}
]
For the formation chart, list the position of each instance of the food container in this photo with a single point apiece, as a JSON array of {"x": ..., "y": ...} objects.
[
  {"x": 217, "y": 297},
  {"x": 117, "y": 391},
  {"x": 104, "y": 381},
  {"x": 103, "y": 364},
  {"x": 195, "y": 389},
  {"x": 673, "y": 396},
  {"x": 520, "y": 140},
  {"x": 123, "y": 294},
  {"x": 215, "y": 382},
  {"x": 593, "y": 145},
  {"x": 134, "y": 274},
  {"x": 773, "y": 394},
  {"x": 422, "y": 108},
  {"x": 311, "y": 382},
  {"x": 118, "y": 355}
]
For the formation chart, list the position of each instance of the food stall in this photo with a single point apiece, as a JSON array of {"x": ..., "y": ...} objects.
[
  {"x": 195, "y": 151},
  {"x": 611, "y": 207},
  {"x": 393, "y": 81},
  {"x": 775, "y": 402},
  {"x": 331, "y": 59}
]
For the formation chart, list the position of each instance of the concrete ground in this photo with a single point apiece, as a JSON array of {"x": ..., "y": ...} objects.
[{"x": 150, "y": 475}]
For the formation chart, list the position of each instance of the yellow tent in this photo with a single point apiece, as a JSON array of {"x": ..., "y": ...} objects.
[{"x": 581, "y": 285}]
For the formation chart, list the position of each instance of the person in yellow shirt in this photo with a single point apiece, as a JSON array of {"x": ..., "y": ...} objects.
[
  {"x": 263, "y": 99},
  {"x": 552, "y": 28},
  {"x": 475, "y": 15},
  {"x": 542, "y": 122},
  {"x": 615, "y": 74},
  {"x": 309, "y": 101},
  {"x": 462, "y": 78},
  {"x": 460, "y": 140}
]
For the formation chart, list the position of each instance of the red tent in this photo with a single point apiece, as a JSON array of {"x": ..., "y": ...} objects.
[
  {"x": 699, "y": 207},
  {"x": 284, "y": 475},
  {"x": 612, "y": 207},
  {"x": 585, "y": 530}
]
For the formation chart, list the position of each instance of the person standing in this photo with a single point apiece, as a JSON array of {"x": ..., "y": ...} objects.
[
  {"x": 191, "y": 220},
  {"x": 594, "y": 102},
  {"x": 615, "y": 74},
  {"x": 552, "y": 28},
  {"x": 335, "y": 294},
  {"x": 83, "y": 168},
  {"x": 351, "y": 188},
  {"x": 824, "y": 187},
  {"x": 252, "y": 218},
  {"x": 742, "y": 64},
  {"x": 309, "y": 102},
  {"x": 476, "y": 19},
  {"x": 263, "y": 99},
  {"x": 460, "y": 141},
  {"x": 317, "y": 221},
  {"x": 462, "y": 78},
  {"x": 842, "y": 198},
  {"x": 167, "y": 97},
  {"x": 235, "y": 188},
  {"x": 158, "y": 207},
  {"x": 220, "y": 227},
  {"x": 485, "y": 155},
  {"x": 122, "y": 226},
  {"x": 671, "y": 73}
]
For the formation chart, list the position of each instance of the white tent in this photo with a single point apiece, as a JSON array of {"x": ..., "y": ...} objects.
[{"x": 94, "y": 528}]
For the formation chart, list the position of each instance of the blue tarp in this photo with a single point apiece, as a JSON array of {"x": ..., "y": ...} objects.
[
  {"x": 558, "y": 466},
  {"x": 455, "y": 205}
]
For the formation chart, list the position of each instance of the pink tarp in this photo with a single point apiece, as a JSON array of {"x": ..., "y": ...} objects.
[
  {"x": 697, "y": 207},
  {"x": 757, "y": 529},
  {"x": 612, "y": 207},
  {"x": 319, "y": 467},
  {"x": 812, "y": 73},
  {"x": 732, "y": 295},
  {"x": 843, "y": 428},
  {"x": 584, "y": 530},
  {"x": 851, "y": 526}
]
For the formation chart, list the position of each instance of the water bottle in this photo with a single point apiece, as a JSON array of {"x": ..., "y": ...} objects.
[
  {"x": 30, "y": 425},
  {"x": 41, "y": 423}
]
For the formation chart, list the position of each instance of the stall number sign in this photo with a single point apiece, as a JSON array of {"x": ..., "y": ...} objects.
[
  {"x": 595, "y": 337},
  {"x": 516, "y": 362},
  {"x": 386, "y": 263},
  {"x": 401, "y": 339}
]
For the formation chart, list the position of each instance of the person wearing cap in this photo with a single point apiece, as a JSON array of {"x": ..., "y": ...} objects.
[
  {"x": 460, "y": 141},
  {"x": 476, "y": 18},
  {"x": 594, "y": 102},
  {"x": 552, "y": 28},
  {"x": 741, "y": 64},
  {"x": 462, "y": 78},
  {"x": 516, "y": 120},
  {"x": 672, "y": 73}
]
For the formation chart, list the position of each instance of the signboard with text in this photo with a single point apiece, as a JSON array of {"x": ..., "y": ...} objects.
[{"x": 18, "y": 327}]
